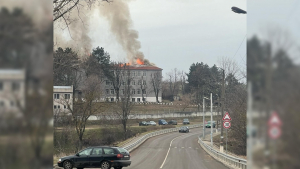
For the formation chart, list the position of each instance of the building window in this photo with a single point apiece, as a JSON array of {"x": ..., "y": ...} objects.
[
  {"x": 1, "y": 85},
  {"x": 107, "y": 82},
  {"x": 123, "y": 83},
  {"x": 144, "y": 82},
  {"x": 112, "y": 91},
  {"x": 133, "y": 91},
  {"x": 133, "y": 73},
  {"x": 139, "y": 82},
  {"x": 58, "y": 106},
  {"x": 144, "y": 73},
  {"x": 107, "y": 91},
  {"x": 139, "y": 73},
  {"x": 54, "y": 106},
  {"x": 112, "y": 99},
  {"x": 123, "y": 91},
  {"x": 15, "y": 86},
  {"x": 144, "y": 99},
  {"x": 65, "y": 107},
  {"x": 144, "y": 91},
  {"x": 133, "y": 82},
  {"x": 67, "y": 96},
  {"x": 133, "y": 99},
  {"x": 56, "y": 96},
  {"x": 138, "y": 100},
  {"x": 138, "y": 91}
]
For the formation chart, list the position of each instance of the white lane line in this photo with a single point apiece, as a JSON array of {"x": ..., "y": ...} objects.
[{"x": 168, "y": 152}]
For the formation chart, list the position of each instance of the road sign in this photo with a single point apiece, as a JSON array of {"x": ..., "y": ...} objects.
[
  {"x": 226, "y": 124},
  {"x": 274, "y": 132},
  {"x": 226, "y": 117},
  {"x": 274, "y": 120}
]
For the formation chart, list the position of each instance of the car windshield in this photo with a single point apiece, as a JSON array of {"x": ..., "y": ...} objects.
[
  {"x": 208, "y": 122},
  {"x": 185, "y": 119},
  {"x": 183, "y": 127}
]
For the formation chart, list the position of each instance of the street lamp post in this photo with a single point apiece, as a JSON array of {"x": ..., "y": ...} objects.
[
  {"x": 211, "y": 121},
  {"x": 203, "y": 118},
  {"x": 222, "y": 105}
]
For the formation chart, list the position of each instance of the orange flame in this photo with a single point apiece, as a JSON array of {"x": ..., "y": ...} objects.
[{"x": 139, "y": 61}]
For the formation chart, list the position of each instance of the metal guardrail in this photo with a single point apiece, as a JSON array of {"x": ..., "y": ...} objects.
[
  {"x": 230, "y": 161},
  {"x": 152, "y": 134}
]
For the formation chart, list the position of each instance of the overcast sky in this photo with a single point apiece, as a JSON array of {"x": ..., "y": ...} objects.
[{"x": 177, "y": 33}]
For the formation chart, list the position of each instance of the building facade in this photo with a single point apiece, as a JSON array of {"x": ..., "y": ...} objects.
[
  {"x": 12, "y": 91},
  {"x": 142, "y": 88}
]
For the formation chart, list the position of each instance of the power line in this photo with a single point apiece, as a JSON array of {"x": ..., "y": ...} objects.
[{"x": 240, "y": 46}]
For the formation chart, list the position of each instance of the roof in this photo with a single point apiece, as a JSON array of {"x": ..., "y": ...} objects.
[
  {"x": 62, "y": 87},
  {"x": 144, "y": 67}
]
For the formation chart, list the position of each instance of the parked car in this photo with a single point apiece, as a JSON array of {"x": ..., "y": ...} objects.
[
  {"x": 151, "y": 123},
  {"x": 208, "y": 124},
  {"x": 186, "y": 121},
  {"x": 97, "y": 157},
  {"x": 173, "y": 122},
  {"x": 184, "y": 129},
  {"x": 143, "y": 123},
  {"x": 162, "y": 122}
]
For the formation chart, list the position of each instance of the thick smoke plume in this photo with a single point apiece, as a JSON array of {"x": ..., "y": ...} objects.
[{"x": 118, "y": 16}]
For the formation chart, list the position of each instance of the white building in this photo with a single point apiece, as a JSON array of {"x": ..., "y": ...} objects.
[
  {"x": 62, "y": 98},
  {"x": 12, "y": 91}
]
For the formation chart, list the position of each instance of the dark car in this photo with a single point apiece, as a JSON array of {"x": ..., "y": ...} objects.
[
  {"x": 209, "y": 124},
  {"x": 162, "y": 122},
  {"x": 186, "y": 121},
  {"x": 184, "y": 129},
  {"x": 143, "y": 123},
  {"x": 97, "y": 157},
  {"x": 173, "y": 122}
]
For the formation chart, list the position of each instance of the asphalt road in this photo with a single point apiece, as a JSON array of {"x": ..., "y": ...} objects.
[{"x": 173, "y": 151}]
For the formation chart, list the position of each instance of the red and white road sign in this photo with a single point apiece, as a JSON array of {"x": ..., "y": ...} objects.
[
  {"x": 226, "y": 117},
  {"x": 226, "y": 124},
  {"x": 274, "y": 132},
  {"x": 274, "y": 120}
]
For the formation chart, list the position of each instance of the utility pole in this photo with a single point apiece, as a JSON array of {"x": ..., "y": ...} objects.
[
  {"x": 222, "y": 104},
  {"x": 211, "y": 121},
  {"x": 203, "y": 118}
]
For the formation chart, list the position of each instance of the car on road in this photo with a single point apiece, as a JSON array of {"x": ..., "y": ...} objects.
[
  {"x": 208, "y": 124},
  {"x": 184, "y": 129},
  {"x": 162, "y": 122},
  {"x": 185, "y": 121},
  {"x": 151, "y": 123},
  {"x": 143, "y": 123},
  {"x": 174, "y": 122},
  {"x": 97, "y": 157}
]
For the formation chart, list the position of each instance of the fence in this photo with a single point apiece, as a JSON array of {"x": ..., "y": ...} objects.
[
  {"x": 152, "y": 134},
  {"x": 228, "y": 160}
]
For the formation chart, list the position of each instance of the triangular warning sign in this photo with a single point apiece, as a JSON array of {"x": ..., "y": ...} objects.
[
  {"x": 274, "y": 120},
  {"x": 226, "y": 117}
]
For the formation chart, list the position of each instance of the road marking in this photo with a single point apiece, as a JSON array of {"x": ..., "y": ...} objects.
[{"x": 169, "y": 151}]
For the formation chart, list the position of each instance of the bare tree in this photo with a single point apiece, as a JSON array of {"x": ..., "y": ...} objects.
[
  {"x": 62, "y": 8},
  {"x": 82, "y": 109},
  {"x": 173, "y": 80},
  {"x": 123, "y": 108},
  {"x": 116, "y": 76},
  {"x": 156, "y": 80},
  {"x": 143, "y": 86}
]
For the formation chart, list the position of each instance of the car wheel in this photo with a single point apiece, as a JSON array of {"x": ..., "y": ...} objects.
[
  {"x": 105, "y": 165},
  {"x": 67, "y": 165}
]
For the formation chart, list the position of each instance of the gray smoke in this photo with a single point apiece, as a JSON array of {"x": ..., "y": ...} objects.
[{"x": 118, "y": 15}]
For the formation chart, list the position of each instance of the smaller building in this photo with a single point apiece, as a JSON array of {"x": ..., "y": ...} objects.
[
  {"x": 62, "y": 98},
  {"x": 12, "y": 91}
]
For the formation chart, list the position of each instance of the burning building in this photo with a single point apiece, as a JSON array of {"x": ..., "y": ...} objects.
[{"x": 145, "y": 83}]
